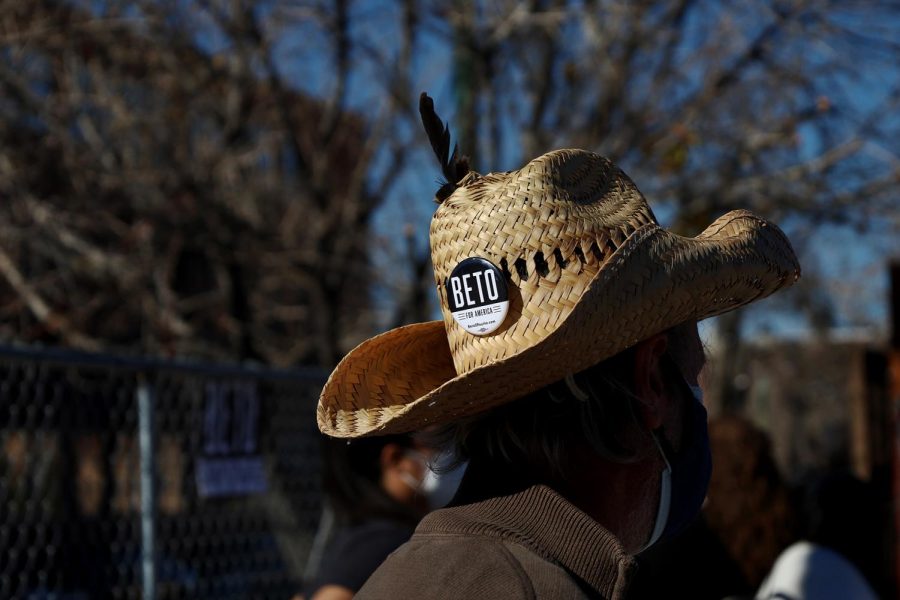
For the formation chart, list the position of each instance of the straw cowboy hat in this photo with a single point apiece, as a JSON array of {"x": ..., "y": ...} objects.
[{"x": 543, "y": 272}]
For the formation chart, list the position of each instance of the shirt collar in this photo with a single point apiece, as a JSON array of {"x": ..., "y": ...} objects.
[{"x": 548, "y": 524}]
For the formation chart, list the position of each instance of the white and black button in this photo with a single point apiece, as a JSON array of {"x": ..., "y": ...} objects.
[{"x": 477, "y": 296}]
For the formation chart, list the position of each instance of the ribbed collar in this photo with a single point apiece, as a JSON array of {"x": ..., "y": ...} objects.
[{"x": 545, "y": 522}]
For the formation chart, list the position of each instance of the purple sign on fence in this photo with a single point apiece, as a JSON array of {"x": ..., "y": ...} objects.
[{"x": 230, "y": 464}]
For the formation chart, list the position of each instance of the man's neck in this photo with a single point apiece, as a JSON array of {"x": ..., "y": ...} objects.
[{"x": 623, "y": 498}]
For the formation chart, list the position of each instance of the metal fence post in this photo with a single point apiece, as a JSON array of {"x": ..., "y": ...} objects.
[{"x": 147, "y": 442}]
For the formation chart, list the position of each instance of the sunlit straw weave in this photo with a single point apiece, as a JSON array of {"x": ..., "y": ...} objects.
[{"x": 590, "y": 273}]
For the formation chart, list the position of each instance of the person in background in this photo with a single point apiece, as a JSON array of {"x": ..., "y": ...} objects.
[
  {"x": 747, "y": 520},
  {"x": 841, "y": 553},
  {"x": 565, "y": 370},
  {"x": 749, "y": 505},
  {"x": 376, "y": 490}
]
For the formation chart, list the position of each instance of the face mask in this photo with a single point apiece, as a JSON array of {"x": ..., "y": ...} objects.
[
  {"x": 437, "y": 487},
  {"x": 440, "y": 487},
  {"x": 685, "y": 478}
]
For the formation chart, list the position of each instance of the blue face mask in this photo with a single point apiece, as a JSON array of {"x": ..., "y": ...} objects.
[{"x": 685, "y": 478}]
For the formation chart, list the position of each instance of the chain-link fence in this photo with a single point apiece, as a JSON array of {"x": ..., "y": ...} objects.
[{"x": 139, "y": 478}]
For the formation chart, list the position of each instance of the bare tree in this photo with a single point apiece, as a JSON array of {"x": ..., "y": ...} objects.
[
  {"x": 167, "y": 188},
  {"x": 201, "y": 177}
]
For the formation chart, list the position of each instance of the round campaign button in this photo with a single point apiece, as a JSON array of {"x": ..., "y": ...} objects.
[{"x": 477, "y": 295}]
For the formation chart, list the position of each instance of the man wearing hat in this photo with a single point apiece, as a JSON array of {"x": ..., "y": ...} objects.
[{"x": 564, "y": 370}]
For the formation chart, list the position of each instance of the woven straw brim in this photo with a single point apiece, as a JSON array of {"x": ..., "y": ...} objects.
[{"x": 404, "y": 380}]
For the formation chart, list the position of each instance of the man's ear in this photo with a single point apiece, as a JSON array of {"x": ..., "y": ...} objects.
[
  {"x": 649, "y": 382},
  {"x": 390, "y": 456}
]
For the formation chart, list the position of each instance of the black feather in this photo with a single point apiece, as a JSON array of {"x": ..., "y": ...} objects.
[{"x": 453, "y": 166}]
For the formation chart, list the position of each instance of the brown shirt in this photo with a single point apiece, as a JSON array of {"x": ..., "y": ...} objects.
[{"x": 529, "y": 544}]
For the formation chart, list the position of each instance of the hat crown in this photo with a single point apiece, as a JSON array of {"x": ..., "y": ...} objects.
[{"x": 549, "y": 227}]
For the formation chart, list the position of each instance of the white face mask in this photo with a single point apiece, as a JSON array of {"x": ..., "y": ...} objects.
[
  {"x": 665, "y": 498},
  {"x": 440, "y": 487},
  {"x": 665, "y": 484},
  {"x": 437, "y": 487}
]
